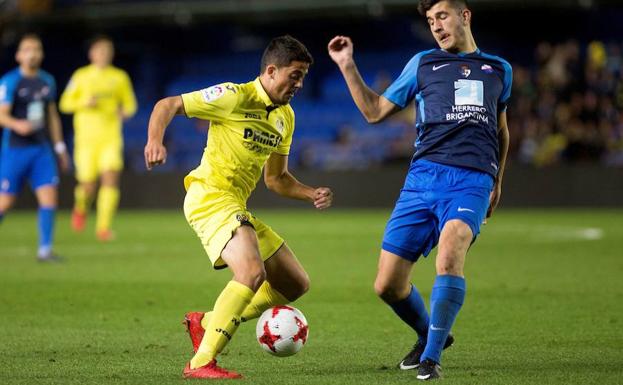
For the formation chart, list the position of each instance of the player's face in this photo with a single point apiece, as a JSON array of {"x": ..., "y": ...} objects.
[
  {"x": 29, "y": 53},
  {"x": 101, "y": 53},
  {"x": 448, "y": 25},
  {"x": 286, "y": 81}
]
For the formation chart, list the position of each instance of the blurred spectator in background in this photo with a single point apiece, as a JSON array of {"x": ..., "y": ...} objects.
[{"x": 567, "y": 108}]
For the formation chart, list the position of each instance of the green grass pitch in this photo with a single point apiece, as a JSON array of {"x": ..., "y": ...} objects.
[{"x": 544, "y": 302}]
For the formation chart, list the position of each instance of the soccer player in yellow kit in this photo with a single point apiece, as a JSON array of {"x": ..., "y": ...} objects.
[
  {"x": 100, "y": 96},
  {"x": 251, "y": 128}
]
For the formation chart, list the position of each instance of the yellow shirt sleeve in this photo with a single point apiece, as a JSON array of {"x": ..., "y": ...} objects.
[
  {"x": 126, "y": 95},
  {"x": 212, "y": 103},
  {"x": 72, "y": 98},
  {"x": 284, "y": 146}
]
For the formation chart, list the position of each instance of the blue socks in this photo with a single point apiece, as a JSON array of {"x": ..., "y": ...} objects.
[
  {"x": 46, "y": 229},
  {"x": 445, "y": 302},
  {"x": 413, "y": 312}
]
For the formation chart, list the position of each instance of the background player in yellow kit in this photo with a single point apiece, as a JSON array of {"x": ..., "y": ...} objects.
[
  {"x": 100, "y": 96},
  {"x": 251, "y": 127}
]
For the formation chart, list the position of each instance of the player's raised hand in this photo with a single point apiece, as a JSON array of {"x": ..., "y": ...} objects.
[
  {"x": 155, "y": 154},
  {"x": 341, "y": 49},
  {"x": 323, "y": 197}
]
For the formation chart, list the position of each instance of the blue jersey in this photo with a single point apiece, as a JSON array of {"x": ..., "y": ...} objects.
[
  {"x": 458, "y": 98},
  {"x": 29, "y": 98}
]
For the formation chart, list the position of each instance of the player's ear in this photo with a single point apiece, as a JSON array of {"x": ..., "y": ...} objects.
[
  {"x": 467, "y": 16},
  {"x": 271, "y": 70}
]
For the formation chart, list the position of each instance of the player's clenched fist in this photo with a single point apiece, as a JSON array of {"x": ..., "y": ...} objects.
[
  {"x": 341, "y": 49},
  {"x": 155, "y": 154},
  {"x": 323, "y": 197}
]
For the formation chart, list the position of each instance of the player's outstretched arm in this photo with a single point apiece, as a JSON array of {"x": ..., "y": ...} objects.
[
  {"x": 503, "y": 140},
  {"x": 375, "y": 108},
  {"x": 56, "y": 133},
  {"x": 161, "y": 116},
  {"x": 278, "y": 179}
]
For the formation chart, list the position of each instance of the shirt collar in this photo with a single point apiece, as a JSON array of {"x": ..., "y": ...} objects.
[
  {"x": 475, "y": 52},
  {"x": 261, "y": 92}
]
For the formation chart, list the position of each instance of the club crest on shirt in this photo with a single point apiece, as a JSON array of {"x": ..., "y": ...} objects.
[
  {"x": 210, "y": 94},
  {"x": 465, "y": 71},
  {"x": 279, "y": 125},
  {"x": 240, "y": 217},
  {"x": 487, "y": 68}
]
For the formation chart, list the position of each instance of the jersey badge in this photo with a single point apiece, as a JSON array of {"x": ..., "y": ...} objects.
[
  {"x": 465, "y": 71},
  {"x": 279, "y": 125},
  {"x": 210, "y": 94}
]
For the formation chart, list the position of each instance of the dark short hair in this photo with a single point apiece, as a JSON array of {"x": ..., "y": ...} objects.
[
  {"x": 283, "y": 50},
  {"x": 99, "y": 38},
  {"x": 425, "y": 5},
  {"x": 30, "y": 36}
]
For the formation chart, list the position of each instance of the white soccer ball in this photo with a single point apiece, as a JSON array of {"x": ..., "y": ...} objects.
[{"x": 282, "y": 330}]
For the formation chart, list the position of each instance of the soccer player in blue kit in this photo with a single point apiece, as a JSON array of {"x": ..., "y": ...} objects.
[
  {"x": 455, "y": 177},
  {"x": 27, "y": 108}
]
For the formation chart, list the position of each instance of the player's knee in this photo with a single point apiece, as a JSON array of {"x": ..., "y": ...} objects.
[
  {"x": 6, "y": 202},
  {"x": 302, "y": 287},
  {"x": 387, "y": 291},
  {"x": 449, "y": 266},
  {"x": 252, "y": 276}
]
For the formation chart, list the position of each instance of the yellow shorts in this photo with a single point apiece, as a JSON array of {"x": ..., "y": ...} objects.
[
  {"x": 94, "y": 158},
  {"x": 215, "y": 215}
]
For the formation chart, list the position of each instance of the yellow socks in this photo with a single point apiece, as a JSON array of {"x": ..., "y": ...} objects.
[
  {"x": 223, "y": 322},
  {"x": 265, "y": 298},
  {"x": 107, "y": 202},
  {"x": 82, "y": 202}
]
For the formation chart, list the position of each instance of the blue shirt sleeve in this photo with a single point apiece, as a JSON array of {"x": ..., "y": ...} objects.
[
  {"x": 8, "y": 84},
  {"x": 403, "y": 90},
  {"x": 508, "y": 84}
]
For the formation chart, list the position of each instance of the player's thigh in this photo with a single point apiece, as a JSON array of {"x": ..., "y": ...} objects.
[
  {"x": 393, "y": 276},
  {"x": 111, "y": 157},
  {"x": 215, "y": 216},
  {"x": 43, "y": 174},
  {"x": 241, "y": 254},
  {"x": 85, "y": 162},
  {"x": 286, "y": 274}
]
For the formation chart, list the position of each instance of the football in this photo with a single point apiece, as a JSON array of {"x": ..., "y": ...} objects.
[{"x": 282, "y": 330}]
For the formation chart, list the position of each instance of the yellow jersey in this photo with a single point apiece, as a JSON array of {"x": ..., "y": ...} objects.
[
  {"x": 112, "y": 88},
  {"x": 245, "y": 128}
]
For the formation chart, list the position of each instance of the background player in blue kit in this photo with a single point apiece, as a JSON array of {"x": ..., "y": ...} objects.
[
  {"x": 455, "y": 177},
  {"x": 27, "y": 111}
]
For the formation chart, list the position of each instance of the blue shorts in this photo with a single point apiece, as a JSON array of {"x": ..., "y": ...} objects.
[
  {"x": 35, "y": 163},
  {"x": 432, "y": 195}
]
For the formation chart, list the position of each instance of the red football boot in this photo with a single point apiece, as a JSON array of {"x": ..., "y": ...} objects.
[
  {"x": 78, "y": 221},
  {"x": 192, "y": 321},
  {"x": 210, "y": 370}
]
